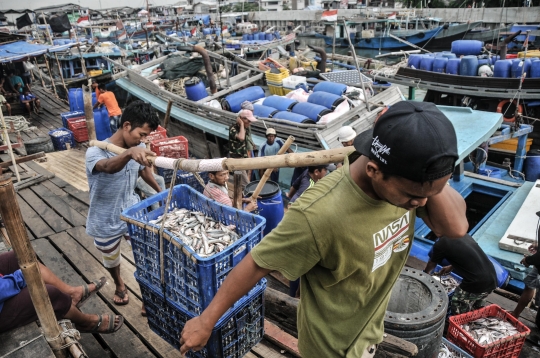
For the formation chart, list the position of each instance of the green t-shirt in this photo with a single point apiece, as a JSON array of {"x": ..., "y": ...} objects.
[{"x": 349, "y": 250}]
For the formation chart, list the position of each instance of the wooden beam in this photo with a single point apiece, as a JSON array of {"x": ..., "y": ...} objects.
[
  {"x": 23, "y": 159},
  {"x": 237, "y": 196},
  {"x": 280, "y": 338}
]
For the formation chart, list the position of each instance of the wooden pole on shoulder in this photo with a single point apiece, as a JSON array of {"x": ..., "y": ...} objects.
[
  {"x": 89, "y": 112},
  {"x": 12, "y": 217},
  {"x": 237, "y": 192}
]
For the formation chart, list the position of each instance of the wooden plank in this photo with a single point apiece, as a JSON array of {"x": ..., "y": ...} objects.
[
  {"x": 58, "y": 205},
  {"x": 55, "y": 221},
  {"x": 39, "y": 169},
  {"x": 90, "y": 268},
  {"x": 123, "y": 343},
  {"x": 280, "y": 338},
  {"x": 126, "y": 268},
  {"x": 80, "y": 207},
  {"x": 24, "y": 159},
  {"x": 265, "y": 349},
  {"x": 33, "y": 221},
  {"x": 14, "y": 338}
]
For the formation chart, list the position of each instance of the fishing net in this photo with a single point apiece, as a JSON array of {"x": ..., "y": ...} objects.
[{"x": 176, "y": 67}]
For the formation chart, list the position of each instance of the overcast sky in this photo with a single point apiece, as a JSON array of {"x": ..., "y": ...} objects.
[{"x": 93, "y": 4}]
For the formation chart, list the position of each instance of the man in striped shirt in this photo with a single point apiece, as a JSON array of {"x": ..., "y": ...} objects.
[{"x": 217, "y": 189}]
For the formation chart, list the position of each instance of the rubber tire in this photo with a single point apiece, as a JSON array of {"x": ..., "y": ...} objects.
[{"x": 39, "y": 144}]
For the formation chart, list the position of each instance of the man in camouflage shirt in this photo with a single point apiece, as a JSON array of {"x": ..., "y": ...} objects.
[{"x": 240, "y": 137}]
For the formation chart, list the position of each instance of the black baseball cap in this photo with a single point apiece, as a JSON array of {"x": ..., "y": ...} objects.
[{"x": 408, "y": 139}]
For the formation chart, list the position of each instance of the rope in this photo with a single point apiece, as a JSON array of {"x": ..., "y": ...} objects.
[
  {"x": 388, "y": 70},
  {"x": 22, "y": 345},
  {"x": 19, "y": 123},
  {"x": 72, "y": 333}
]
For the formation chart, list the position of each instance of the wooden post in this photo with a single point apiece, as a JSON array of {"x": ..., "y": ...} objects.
[
  {"x": 89, "y": 112},
  {"x": 11, "y": 214},
  {"x": 47, "y": 28},
  {"x": 237, "y": 196},
  {"x": 83, "y": 65},
  {"x": 51, "y": 74},
  {"x": 61, "y": 75},
  {"x": 39, "y": 72},
  {"x": 167, "y": 115},
  {"x": 8, "y": 142}
]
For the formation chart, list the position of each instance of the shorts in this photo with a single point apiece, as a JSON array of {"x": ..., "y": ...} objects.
[
  {"x": 463, "y": 301},
  {"x": 110, "y": 250},
  {"x": 533, "y": 279}
]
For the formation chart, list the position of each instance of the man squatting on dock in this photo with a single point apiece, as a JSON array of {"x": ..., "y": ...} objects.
[
  {"x": 112, "y": 179},
  {"x": 348, "y": 236}
]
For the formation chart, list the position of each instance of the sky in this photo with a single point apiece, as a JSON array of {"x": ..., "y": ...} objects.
[{"x": 93, "y": 4}]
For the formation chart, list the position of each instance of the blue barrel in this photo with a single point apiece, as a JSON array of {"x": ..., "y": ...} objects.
[
  {"x": 535, "y": 69},
  {"x": 495, "y": 59},
  {"x": 439, "y": 64},
  {"x": 448, "y": 54},
  {"x": 277, "y": 35},
  {"x": 311, "y": 110},
  {"x": 233, "y": 101},
  {"x": 330, "y": 87},
  {"x": 169, "y": 32},
  {"x": 250, "y": 37},
  {"x": 217, "y": 32},
  {"x": 279, "y": 103},
  {"x": 502, "y": 68},
  {"x": 293, "y": 117},
  {"x": 328, "y": 100},
  {"x": 269, "y": 37},
  {"x": 264, "y": 111},
  {"x": 468, "y": 65},
  {"x": 414, "y": 61},
  {"x": 452, "y": 66},
  {"x": 102, "y": 124},
  {"x": 207, "y": 31},
  {"x": 195, "y": 89},
  {"x": 483, "y": 61},
  {"x": 256, "y": 36},
  {"x": 467, "y": 47},
  {"x": 517, "y": 68},
  {"x": 270, "y": 204},
  {"x": 245, "y": 37},
  {"x": 532, "y": 165},
  {"x": 426, "y": 63},
  {"x": 76, "y": 101}
]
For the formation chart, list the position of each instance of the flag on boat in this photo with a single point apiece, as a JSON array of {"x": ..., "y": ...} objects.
[
  {"x": 330, "y": 15},
  {"x": 23, "y": 21},
  {"x": 194, "y": 31},
  {"x": 122, "y": 34},
  {"x": 83, "y": 21},
  {"x": 392, "y": 16}
]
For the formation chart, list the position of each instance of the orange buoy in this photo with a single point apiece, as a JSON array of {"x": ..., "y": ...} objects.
[{"x": 509, "y": 109}]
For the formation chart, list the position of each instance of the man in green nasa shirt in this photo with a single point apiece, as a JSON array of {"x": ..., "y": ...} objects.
[{"x": 348, "y": 237}]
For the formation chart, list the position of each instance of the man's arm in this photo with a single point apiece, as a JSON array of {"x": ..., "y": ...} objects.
[
  {"x": 148, "y": 176},
  {"x": 117, "y": 163},
  {"x": 291, "y": 192},
  {"x": 446, "y": 214},
  {"x": 240, "y": 280},
  {"x": 430, "y": 266},
  {"x": 96, "y": 105},
  {"x": 241, "y": 135}
]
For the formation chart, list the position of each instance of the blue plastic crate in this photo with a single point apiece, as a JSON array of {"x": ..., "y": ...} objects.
[
  {"x": 451, "y": 294},
  {"x": 59, "y": 142},
  {"x": 236, "y": 332},
  {"x": 68, "y": 115},
  {"x": 191, "y": 281},
  {"x": 455, "y": 350},
  {"x": 183, "y": 177}
]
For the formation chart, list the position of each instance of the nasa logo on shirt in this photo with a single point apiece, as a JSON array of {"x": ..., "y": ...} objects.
[
  {"x": 392, "y": 238},
  {"x": 401, "y": 244}
]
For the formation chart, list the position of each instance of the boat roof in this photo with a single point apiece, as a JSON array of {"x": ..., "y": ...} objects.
[{"x": 21, "y": 49}]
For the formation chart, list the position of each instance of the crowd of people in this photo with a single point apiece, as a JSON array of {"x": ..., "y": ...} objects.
[{"x": 15, "y": 88}]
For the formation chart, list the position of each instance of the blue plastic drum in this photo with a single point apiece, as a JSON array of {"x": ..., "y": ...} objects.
[
  {"x": 264, "y": 111},
  {"x": 328, "y": 100},
  {"x": 535, "y": 69},
  {"x": 270, "y": 204},
  {"x": 519, "y": 67},
  {"x": 195, "y": 89},
  {"x": 330, "y": 87},
  {"x": 439, "y": 64},
  {"x": 502, "y": 68},
  {"x": 468, "y": 66},
  {"x": 467, "y": 47},
  {"x": 311, "y": 110},
  {"x": 426, "y": 64},
  {"x": 414, "y": 61},
  {"x": 233, "y": 101},
  {"x": 293, "y": 117},
  {"x": 452, "y": 66},
  {"x": 269, "y": 37},
  {"x": 532, "y": 165},
  {"x": 279, "y": 103}
]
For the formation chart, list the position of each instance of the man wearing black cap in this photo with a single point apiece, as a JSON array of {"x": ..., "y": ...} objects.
[{"x": 349, "y": 236}]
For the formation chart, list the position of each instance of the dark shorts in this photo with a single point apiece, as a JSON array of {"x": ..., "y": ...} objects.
[
  {"x": 19, "y": 311},
  {"x": 463, "y": 301}
]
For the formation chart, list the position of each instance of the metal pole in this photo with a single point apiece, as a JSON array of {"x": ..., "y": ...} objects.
[
  {"x": 13, "y": 220},
  {"x": 357, "y": 66},
  {"x": 334, "y": 44},
  {"x": 10, "y": 150}
]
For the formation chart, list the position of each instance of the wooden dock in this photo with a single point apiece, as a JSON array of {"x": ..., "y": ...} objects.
[{"x": 54, "y": 213}]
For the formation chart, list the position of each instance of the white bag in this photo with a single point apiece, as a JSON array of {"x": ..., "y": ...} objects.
[{"x": 28, "y": 66}]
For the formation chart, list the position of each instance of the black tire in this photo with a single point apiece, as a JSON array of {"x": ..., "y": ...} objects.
[
  {"x": 39, "y": 144},
  {"x": 421, "y": 35}
]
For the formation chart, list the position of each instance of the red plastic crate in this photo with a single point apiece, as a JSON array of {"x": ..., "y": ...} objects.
[
  {"x": 81, "y": 134},
  {"x": 175, "y": 147},
  {"x": 509, "y": 347},
  {"x": 159, "y": 133},
  {"x": 76, "y": 123}
]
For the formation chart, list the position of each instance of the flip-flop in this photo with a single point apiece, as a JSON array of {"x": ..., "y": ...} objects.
[
  {"x": 121, "y": 294},
  {"x": 87, "y": 293},
  {"x": 111, "y": 328}
]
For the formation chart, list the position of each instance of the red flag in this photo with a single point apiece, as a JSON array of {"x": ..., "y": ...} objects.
[
  {"x": 330, "y": 15},
  {"x": 81, "y": 19},
  {"x": 119, "y": 24},
  {"x": 193, "y": 31}
]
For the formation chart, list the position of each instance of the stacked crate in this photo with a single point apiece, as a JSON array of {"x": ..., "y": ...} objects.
[
  {"x": 79, "y": 129},
  {"x": 189, "y": 281},
  {"x": 275, "y": 81},
  {"x": 60, "y": 137}
]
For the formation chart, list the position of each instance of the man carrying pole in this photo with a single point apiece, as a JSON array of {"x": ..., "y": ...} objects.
[{"x": 360, "y": 244}]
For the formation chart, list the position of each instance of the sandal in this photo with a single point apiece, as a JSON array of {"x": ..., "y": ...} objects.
[
  {"x": 122, "y": 295},
  {"x": 86, "y": 290},
  {"x": 111, "y": 328}
]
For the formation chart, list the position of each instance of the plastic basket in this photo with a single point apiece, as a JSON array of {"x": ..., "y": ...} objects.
[
  {"x": 191, "y": 281},
  {"x": 59, "y": 142},
  {"x": 274, "y": 77},
  {"x": 292, "y": 81},
  {"x": 159, "y": 133},
  {"x": 505, "y": 348},
  {"x": 276, "y": 90},
  {"x": 174, "y": 147},
  {"x": 234, "y": 335},
  {"x": 69, "y": 115},
  {"x": 455, "y": 350}
]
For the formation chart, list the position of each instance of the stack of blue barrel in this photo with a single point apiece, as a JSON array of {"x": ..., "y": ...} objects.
[
  {"x": 76, "y": 107},
  {"x": 325, "y": 98},
  {"x": 464, "y": 59}
]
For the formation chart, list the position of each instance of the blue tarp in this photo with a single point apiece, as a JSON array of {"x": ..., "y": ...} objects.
[
  {"x": 18, "y": 50},
  {"x": 204, "y": 18},
  {"x": 524, "y": 29}
]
